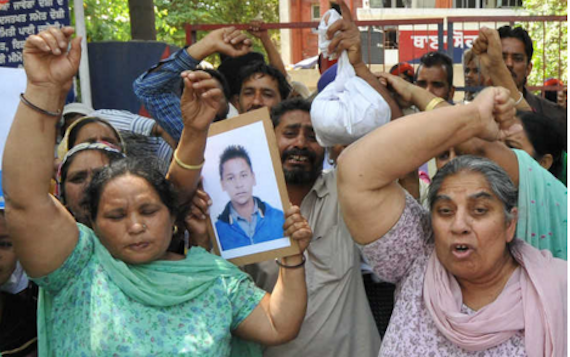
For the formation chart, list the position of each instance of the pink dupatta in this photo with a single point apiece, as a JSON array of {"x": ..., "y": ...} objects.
[{"x": 534, "y": 300}]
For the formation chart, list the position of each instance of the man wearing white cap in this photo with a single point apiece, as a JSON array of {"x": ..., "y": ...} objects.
[{"x": 72, "y": 112}]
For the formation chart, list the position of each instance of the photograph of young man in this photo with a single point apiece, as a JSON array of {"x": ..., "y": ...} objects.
[{"x": 246, "y": 219}]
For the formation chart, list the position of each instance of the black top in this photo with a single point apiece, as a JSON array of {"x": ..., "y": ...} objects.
[
  {"x": 18, "y": 336},
  {"x": 548, "y": 109}
]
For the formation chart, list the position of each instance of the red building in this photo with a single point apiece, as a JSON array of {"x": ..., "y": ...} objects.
[{"x": 304, "y": 43}]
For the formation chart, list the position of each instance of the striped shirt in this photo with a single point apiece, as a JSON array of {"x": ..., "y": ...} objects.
[{"x": 159, "y": 90}]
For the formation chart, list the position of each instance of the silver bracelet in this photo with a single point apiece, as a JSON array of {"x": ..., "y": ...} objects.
[
  {"x": 520, "y": 99},
  {"x": 38, "y": 109}
]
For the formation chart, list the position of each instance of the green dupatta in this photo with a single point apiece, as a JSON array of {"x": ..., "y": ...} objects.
[
  {"x": 165, "y": 283},
  {"x": 542, "y": 205}
]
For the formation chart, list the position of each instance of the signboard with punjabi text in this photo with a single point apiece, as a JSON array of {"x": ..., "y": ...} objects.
[
  {"x": 22, "y": 18},
  {"x": 414, "y": 44}
]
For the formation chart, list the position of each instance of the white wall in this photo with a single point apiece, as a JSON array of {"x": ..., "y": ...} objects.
[{"x": 285, "y": 16}]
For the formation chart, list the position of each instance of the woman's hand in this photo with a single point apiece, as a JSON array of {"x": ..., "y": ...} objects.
[
  {"x": 200, "y": 100},
  {"x": 196, "y": 219},
  {"x": 47, "y": 61},
  {"x": 296, "y": 227},
  {"x": 496, "y": 112}
]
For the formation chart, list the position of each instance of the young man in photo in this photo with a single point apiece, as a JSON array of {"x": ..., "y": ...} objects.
[{"x": 246, "y": 219}]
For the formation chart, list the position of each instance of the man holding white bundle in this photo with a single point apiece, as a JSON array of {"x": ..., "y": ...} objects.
[
  {"x": 356, "y": 102},
  {"x": 338, "y": 321}
]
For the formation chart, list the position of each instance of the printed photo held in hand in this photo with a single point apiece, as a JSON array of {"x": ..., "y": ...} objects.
[{"x": 243, "y": 176}]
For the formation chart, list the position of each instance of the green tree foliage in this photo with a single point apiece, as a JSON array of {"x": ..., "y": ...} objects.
[
  {"x": 108, "y": 20},
  {"x": 550, "y": 39},
  {"x": 171, "y": 15}
]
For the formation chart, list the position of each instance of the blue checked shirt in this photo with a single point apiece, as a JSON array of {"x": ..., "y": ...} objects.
[{"x": 159, "y": 90}]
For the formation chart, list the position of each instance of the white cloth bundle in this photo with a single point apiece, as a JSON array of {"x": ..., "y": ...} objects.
[
  {"x": 348, "y": 108},
  {"x": 328, "y": 19}
]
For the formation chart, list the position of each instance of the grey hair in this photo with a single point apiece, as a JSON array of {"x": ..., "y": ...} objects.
[{"x": 497, "y": 178}]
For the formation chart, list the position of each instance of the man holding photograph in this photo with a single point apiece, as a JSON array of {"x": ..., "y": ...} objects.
[{"x": 246, "y": 219}]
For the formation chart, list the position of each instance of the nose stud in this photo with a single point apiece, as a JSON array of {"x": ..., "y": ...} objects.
[{"x": 144, "y": 226}]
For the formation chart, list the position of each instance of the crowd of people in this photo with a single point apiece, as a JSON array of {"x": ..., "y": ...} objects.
[{"x": 104, "y": 246}]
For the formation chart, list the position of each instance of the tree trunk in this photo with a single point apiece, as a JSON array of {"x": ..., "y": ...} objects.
[{"x": 142, "y": 20}]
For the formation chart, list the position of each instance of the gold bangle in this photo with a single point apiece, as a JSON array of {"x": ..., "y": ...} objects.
[
  {"x": 433, "y": 103},
  {"x": 186, "y": 166}
]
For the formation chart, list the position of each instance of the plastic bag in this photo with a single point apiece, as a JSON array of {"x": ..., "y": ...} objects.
[{"x": 348, "y": 108}]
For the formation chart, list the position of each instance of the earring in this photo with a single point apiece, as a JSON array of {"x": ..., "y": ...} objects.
[{"x": 174, "y": 230}]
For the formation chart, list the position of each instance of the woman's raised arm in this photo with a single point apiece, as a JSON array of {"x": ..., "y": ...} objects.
[
  {"x": 199, "y": 104},
  {"x": 44, "y": 234},
  {"x": 421, "y": 98},
  {"x": 371, "y": 201},
  {"x": 278, "y": 317}
]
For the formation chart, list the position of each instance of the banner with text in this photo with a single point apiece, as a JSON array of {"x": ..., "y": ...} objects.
[
  {"x": 22, "y": 18},
  {"x": 414, "y": 44}
]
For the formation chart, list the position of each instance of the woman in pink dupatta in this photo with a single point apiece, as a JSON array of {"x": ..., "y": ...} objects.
[{"x": 465, "y": 286}]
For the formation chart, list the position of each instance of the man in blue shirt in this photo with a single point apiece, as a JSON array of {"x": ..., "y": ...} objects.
[
  {"x": 257, "y": 84},
  {"x": 246, "y": 219}
]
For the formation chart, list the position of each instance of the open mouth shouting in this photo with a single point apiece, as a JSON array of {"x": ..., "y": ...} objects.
[{"x": 461, "y": 251}]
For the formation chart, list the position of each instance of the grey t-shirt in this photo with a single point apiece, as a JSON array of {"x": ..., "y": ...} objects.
[{"x": 338, "y": 322}]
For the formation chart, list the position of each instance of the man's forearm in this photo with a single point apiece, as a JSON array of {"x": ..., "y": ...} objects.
[
  {"x": 501, "y": 76},
  {"x": 166, "y": 76},
  {"x": 156, "y": 89},
  {"x": 274, "y": 56},
  {"x": 422, "y": 97},
  {"x": 200, "y": 50}
]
